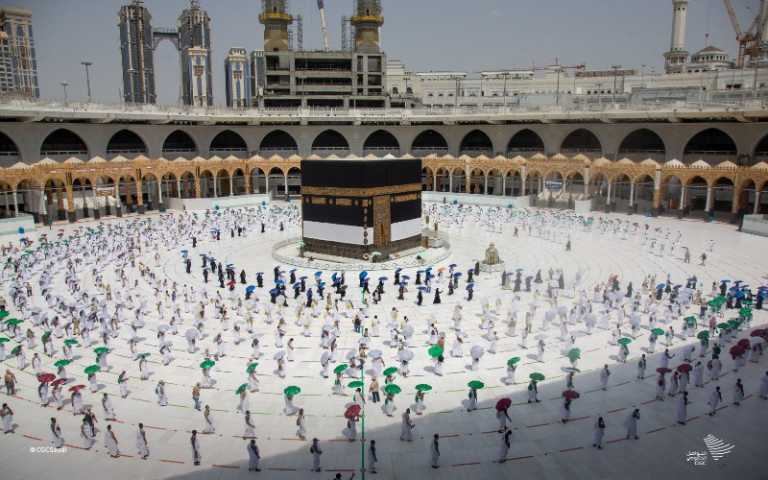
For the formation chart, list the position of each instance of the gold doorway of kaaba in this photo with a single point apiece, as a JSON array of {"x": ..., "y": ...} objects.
[{"x": 382, "y": 221}]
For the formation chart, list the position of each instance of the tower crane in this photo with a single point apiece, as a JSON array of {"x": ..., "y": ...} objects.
[
  {"x": 750, "y": 41},
  {"x": 323, "y": 25}
]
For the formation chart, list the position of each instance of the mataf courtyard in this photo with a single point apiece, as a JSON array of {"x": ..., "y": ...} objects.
[{"x": 544, "y": 344}]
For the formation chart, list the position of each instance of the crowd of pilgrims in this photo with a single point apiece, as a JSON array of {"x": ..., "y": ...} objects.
[{"x": 112, "y": 286}]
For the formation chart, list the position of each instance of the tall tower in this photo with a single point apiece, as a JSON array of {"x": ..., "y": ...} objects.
[
  {"x": 276, "y": 20},
  {"x": 136, "y": 46},
  {"x": 18, "y": 66},
  {"x": 238, "y": 83},
  {"x": 677, "y": 56},
  {"x": 366, "y": 20},
  {"x": 195, "y": 46}
]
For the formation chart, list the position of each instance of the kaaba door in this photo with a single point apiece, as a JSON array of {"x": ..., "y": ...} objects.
[{"x": 382, "y": 221}]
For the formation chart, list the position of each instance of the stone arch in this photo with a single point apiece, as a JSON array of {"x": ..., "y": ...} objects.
[
  {"x": 443, "y": 179},
  {"x": 276, "y": 181},
  {"x": 476, "y": 143},
  {"x": 695, "y": 193},
  {"x": 641, "y": 144},
  {"x": 228, "y": 142},
  {"x": 207, "y": 184},
  {"x": 513, "y": 183},
  {"x": 459, "y": 180},
  {"x": 179, "y": 144},
  {"x": 9, "y": 151},
  {"x": 381, "y": 142},
  {"x": 427, "y": 179},
  {"x": 126, "y": 143},
  {"x": 477, "y": 181},
  {"x": 494, "y": 182},
  {"x": 238, "y": 182},
  {"x": 533, "y": 182},
  {"x": 723, "y": 189},
  {"x": 644, "y": 188},
  {"x": 581, "y": 140},
  {"x": 760, "y": 153},
  {"x": 258, "y": 180},
  {"x": 330, "y": 141},
  {"x": 525, "y": 142},
  {"x": 429, "y": 142},
  {"x": 574, "y": 183},
  {"x": 294, "y": 181},
  {"x": 188, "y": 185},
  {"x": 222, "y": 183},
  {"x": 712, "y": 145},
  {"x": 278, "y": 142},
  {"x": 169, "y": 183},
  {"x": 63, "y": 143}
]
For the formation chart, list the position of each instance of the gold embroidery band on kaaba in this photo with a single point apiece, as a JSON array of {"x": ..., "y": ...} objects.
[{"x": 361, "y": 192}]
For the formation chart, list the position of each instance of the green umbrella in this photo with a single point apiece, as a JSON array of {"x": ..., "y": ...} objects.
[
  {"x": 513, "y": 361},
  {"x": 292, "y": 391},
  {"x": 574, "y": 354},
  {"x": 734, "y": 323},
  {"x": 12, "y": 322},
  {"x": 435, "y": 351},
  {"x": 70, "y": 342},
  {"x": 703, "y": 335},
  {"x": 3, "y": 314},
  {"x": 423, "y": 387},
  {"x": 91, "y": 369},
  {"x": 536, "y": 376},
  {"x": 657, "y": 331},
  {"x": 100, "y": 350},
  {"x": 390, "y": 371},
  {"x": 16, "y": 350},
  {"x": 252, "y": 367},
  {"x": 723, "y": 326},
  {"x": 690, "y": 321},
  {"x": 207, "y": 363},
  {"x": 4, "y": 340},
  {"x": 142, "y": 355},
  {"x": 62, "y": 363},
  {"x": 46, "y": 336},
  {"x": 745, "y": 312},
  {"x": 241, "y": 388},
  {"x": 624, "y": 341},
  {"x": 476, "y": 384},
  {"x": 392, "y": 389},
  {"x": 355, "y": 384},
  {"x": 340, "y": 368}
]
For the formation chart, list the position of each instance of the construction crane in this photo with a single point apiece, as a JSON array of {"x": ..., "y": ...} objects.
[
  {"x": 323, "y": 25},
  {"x": 751, "y": 43}
]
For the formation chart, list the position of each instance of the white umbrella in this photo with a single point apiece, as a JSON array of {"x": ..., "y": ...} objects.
[
  {"x": 163, "y": 328},
  {"x": 405, "y": 355},
  {"x": 375, "y": 354},
  {"x": 477, "y": 351},
  {"x": 279, "y": 355},
  {"x": 325, "y": 356},
  {"x": 192, "y": 334},
  {"x": 408, "y": 331},
  {"x": 352, "y": 353}
]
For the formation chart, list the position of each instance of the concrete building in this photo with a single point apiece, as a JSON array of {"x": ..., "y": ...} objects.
[
  {"x": 238, "y": 81},
  {"x": 677, "y": 55},
  {"x": 194, "y": 27},
  {"x": 18, "y": 63},
  {"x": 137, "y": 49}
]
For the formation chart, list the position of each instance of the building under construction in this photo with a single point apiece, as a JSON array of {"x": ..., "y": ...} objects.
[{"x": 351, "y": 77}]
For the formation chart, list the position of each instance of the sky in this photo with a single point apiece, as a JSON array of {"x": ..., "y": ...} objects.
[{"x": 465, "y": 35}]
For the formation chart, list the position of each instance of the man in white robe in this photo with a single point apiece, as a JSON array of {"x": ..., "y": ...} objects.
[{"x": 254, "y": 456}]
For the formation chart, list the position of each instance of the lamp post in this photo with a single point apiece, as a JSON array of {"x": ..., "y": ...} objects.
[
  {"x": 87, "y": 66},
  {"x": 64, "y": 85}
]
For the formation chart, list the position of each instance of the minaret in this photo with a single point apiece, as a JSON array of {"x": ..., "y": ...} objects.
[
  {"x": 677, "y": 56},
  {"x": 276, "y": 19},
  {"x": 366, "y": 20},
  {"x": 194, "y": 26}
]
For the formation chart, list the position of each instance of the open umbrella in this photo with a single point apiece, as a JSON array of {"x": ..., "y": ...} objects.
[
  {"x": 252, "y": 367},
  {"x": 76, "y": 388},
  {"x": 71, "y": 342},
  {"x": 536, "y": 376},
  {"x": 574, "y": 354},
  {"x": 570, "y": 394},
  {"x": 703, "y": 335},
  {"x": 207, "y": 363},
  {"x": 512, "y": 361},
  {"x": 353, "y": 412},
  {"x": 4, "y": 314},
  {"x": 723, "y": 326},
  {"x": 423, "y": 387},
  {"x": 761, "y": 332},
  {"x": 690, "y": 321},
  {"x": 744, "y": 343},
  {"x": 390, "y": 371},
  {"x": 737, "y": 350},
  {"x": 477, "y": 351},
  {"x": 340, "y": 368},
  {"x": 144, "y": 355},
  {"x": 624, "y": 341},
  {"x": 392, "y": 389},
  {"x": 279, "y": 355},
  {"x": 46, "y": 377},
  {"x": 663, "y": 370},
  {"x": 4, "y": 340},
  {"x": 435, "y": 351},
  {"x": 241, "y": 388},
  {"x": 12, "y": 322},
  {"x": 503, "y": 404},
  {"x": 91, "y": 369},
  {"x": 192, "y": 334},
  {"x": 62, "y": 363},
  {"x": 476, "y": 384},
  {"x": 684, "y": 368},
  {"x": 406, "y": 355},
  {"x": 100, "y": 350},
  {"x": 292, "y": 391},
  {"x": 58, "y": 381},
  {"x": 657, "y": 331},
  {"x": 375, "y": 354},
  {"x": 355, "y": 384}
]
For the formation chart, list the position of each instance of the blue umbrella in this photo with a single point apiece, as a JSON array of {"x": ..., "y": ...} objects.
[
  {"x": 405, "y": 277},
  {"x": 422, "y": 289},
  {"x": 318, "y": 274},
  {"x": 725, "y": 281},
  {"x": 259, "y": 273},
  {"x": 363, "y": 274},
  {"x": 398, "y": 270},
  {"x": 292, "y": 270},
  {"x": 334, "y": 276},
  {"x": 470, "y": 286},
  {"x": 321, "y": 284},
  {"x": 457, "y": 274},
  {"x": 250, "y": 288},
  {"x": 302, "y": 278},
  {"x": 660, "y": 286},
  {"x": 230, "y": 265},
  {"x": 279, "y": 282},
  {"x": 274, "y": 291},
  {"x": 184, "y": 253},
  {"x": 383, "y": 279},
  {"x": 419, "y": 271},
  {"x": 453, "y": 265}
]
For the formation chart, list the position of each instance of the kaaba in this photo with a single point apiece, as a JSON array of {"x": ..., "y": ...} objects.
[{"x": 354, "y": 208}]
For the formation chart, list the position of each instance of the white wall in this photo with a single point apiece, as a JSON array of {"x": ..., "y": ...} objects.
[
  {"x": 756, "y": 224},
  {"x": 10, "y": 226},
  {"x": 221, "y": 202},
  {"x": 332, "y": 232},
  {"x": 470, "y": 199},
  {"x": 407, "y": 229}
]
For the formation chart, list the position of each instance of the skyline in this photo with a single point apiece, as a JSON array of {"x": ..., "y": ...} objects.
[{"x": 235, "y": 24}]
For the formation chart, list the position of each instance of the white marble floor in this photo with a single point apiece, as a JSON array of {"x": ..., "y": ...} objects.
[{"x": 542, "y": 447}]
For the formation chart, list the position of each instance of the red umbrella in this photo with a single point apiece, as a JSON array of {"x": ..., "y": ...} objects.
[
  {"x": 684, "y": 368},
  {"x": 744, "y": 343},
  {"x": 759, "y": 333},
  {"x": 570, "y": 394},
  {"x": 503, "y": 404},
  {"x": 737, "y": 350},
  {"x": 59, "y": 381},
  {"x": 45, "y": 377},
  {"x": 663, "y": 370},
  {"x": 352, "y": 412},
  {"x": 76, "y": 388}
]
